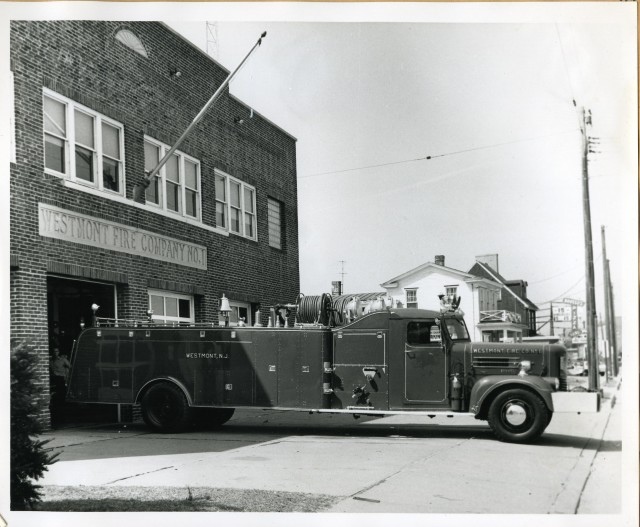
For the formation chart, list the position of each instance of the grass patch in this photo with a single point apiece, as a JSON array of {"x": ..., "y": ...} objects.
[{"x": 177, "y": 499}]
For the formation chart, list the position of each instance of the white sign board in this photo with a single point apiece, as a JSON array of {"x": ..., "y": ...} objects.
[{"x": 73, "y": 227}]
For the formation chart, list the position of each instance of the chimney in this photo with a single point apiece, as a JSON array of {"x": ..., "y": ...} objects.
[
  {"x": 490, "y": 259},
  {"x": 440, "y": 259}
]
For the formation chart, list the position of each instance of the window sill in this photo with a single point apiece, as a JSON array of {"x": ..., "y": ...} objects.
[{"x": 124, "y": 201}]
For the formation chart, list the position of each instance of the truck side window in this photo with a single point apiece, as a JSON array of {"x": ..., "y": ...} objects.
[{"x": 419, "y": 333}]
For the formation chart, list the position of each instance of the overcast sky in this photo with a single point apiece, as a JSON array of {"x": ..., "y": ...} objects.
[{"x": 490, "y": 101}]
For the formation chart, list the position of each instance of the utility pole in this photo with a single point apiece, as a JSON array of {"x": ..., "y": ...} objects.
[
  {"x": 592, "y": 353},
  {"x": 607, "y": 310},
  {"x": 551, "y": 328},
  {"x": 612, "y": 312}
]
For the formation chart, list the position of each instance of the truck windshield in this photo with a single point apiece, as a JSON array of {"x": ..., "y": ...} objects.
[{"x": 456, "y": 329}]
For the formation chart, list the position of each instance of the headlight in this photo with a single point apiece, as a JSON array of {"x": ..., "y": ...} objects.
[
  {"x": 556, "y": 382},
  {"x": 525, "y": 366}
]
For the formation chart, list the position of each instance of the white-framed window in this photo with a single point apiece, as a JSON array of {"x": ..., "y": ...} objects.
[
  {"x": 171, "y": 307},
  {"x": 240, "y": 311},
  {"x": 131, "y": 40},
  {"x": 81, "y": 145},
  {"x": 12, "y": 120},
  {"x": 412, "y": 297},
  {"x": 275, "y": 223},
  {"x": 235, "y": 206},
  {"x": 451, "y": 290},
  {"x": 176, "y": 188}
]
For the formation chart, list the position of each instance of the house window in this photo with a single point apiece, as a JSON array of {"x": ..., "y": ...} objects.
[
  {"x": 451, "y": 290},
  {"x": 235, "y": 206},
  {"x": 176, "y": 188},
  {"x": 171, "y": 307},
  {"x": 275, "y": 223},
  {"x": 81, "y": 145},
  {"x": 412, "y": 297}
]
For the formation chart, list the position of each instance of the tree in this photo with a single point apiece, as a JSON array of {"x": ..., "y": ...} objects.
[{"x": 29, "y": 458}]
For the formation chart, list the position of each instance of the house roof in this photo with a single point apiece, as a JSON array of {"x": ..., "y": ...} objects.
[
  {"x": 467, "y": 277},
  {"x": 391, "y": 282},
  {"x": 499, "y": 278}
]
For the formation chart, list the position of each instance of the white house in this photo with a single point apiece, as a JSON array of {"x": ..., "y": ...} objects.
[{"x": 421, "y": 286}]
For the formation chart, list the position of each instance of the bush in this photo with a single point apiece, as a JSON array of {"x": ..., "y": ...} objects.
[{"x": 29, "y": 459}]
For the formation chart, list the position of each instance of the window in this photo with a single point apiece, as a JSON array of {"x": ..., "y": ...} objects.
[
  {"x": 275, "y": 223},
  {"x": 412, "y": 297},
  {"x": 129, "y": 39},
  {"x": 235, "y": 206},
  {"x": 176, "y": 188},
  {"x": 81, "y": 145},
  {"x": 170, "y": 307},
  {"x": 239, "y": 311},
  {"x": 422, "y": 333},
  {"x": 451, "y": 290}
]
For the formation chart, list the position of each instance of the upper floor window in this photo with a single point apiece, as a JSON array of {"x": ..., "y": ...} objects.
[
  {"x": 82, "y": 145},
  {"x": 235, "y": 206},
  {"x": 412, "y": 297},
  {"x": 171, "y": 307},
  {"x": 176, "y": 188},
  {"x": 451, "y": 290},
  {"x": 275, "y": 223},
  {"x": 129, "y": 39}
]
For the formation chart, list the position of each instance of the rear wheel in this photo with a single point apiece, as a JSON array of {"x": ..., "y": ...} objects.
[
  {"x": 518, "y": 416},
  {"x": 165, "y": 408}
]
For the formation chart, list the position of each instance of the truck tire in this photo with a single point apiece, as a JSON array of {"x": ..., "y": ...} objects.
[
  {"x": 165, "y": 408},
  {"x": 211, "y": 418},
  {"x": 518, "y": 416}
]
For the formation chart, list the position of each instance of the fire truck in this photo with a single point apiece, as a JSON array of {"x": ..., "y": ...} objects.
[{"x": 320, "y": 359}]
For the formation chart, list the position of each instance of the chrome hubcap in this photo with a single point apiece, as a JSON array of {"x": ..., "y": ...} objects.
[{"x": 515, "y": 415}]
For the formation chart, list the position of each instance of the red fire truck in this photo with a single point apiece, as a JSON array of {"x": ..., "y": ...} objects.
[{"x": 390, "y": 361}]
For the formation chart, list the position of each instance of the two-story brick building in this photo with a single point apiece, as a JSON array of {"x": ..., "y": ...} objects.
[{"x": 95, "y": 105}]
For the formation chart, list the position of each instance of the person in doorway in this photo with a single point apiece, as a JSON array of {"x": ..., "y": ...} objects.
[{"x": 60, "y": 367}]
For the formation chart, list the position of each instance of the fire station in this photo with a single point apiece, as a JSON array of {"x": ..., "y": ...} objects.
[{"x": 96, "y": 106}]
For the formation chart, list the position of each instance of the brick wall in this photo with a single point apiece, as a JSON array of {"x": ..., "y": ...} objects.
[{"x": 82, "y": 60}]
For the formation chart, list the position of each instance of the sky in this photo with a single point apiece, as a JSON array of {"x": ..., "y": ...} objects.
[{"x": 490, "y": 98}]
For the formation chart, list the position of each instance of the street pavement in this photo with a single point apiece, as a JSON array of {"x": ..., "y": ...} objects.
[{"x": 395, "y": 464}]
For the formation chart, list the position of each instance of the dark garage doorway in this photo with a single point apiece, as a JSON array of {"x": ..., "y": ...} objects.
[{"x": 68, "y": 307}]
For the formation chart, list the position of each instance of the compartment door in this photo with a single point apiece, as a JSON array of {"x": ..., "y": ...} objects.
[{"x": 425, "y": 363}]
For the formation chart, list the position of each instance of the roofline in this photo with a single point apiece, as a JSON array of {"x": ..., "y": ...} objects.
[
  {"x": 507, "y": 287},
  {"x": 206, "y": 55},
  {"x": 420, "y": 268}
]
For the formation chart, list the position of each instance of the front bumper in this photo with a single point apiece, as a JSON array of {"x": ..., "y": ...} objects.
[{"x": 578, "y": 402}]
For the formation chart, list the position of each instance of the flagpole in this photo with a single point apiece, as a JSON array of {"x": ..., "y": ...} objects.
[{"x": 148, "y": 178}]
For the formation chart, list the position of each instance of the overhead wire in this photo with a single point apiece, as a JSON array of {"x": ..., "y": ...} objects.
[{"x": 434, "y": 156}]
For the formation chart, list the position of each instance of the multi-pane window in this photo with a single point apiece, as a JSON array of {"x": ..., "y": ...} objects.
[
  {"x": 176, "y": 188},
  {"x": 235, "y": 206},
  {"x": 412, "y": 297},
  {"x": 240, "y": 311},
  {"x": 275, "y": 223},
  {"x": 451, "y": 290},
  {"x": 81, "y": 145},
  {"x": 170, "y": 307}
]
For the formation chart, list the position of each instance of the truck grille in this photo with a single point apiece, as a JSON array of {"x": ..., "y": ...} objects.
[{"x": 496, "y": 362}]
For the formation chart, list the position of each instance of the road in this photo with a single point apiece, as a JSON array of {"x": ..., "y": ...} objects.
[{"x": 394, "y": 464}]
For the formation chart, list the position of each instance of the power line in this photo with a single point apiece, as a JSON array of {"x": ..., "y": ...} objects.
[{"x": 427, "y": 158}]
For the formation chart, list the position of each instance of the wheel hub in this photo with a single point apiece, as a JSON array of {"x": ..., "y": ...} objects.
[{"x": 515, "y": 414}]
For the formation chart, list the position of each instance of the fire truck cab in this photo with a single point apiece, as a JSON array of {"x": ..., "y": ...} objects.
[{"x": 391, "y": 361}]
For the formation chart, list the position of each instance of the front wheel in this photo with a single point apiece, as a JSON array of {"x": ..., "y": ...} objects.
[
  {"x": 518, "y": 416},
  {"x": 165, "y": 408}
]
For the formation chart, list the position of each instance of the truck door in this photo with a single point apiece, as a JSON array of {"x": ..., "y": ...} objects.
[{"x": 425, "y": 363}]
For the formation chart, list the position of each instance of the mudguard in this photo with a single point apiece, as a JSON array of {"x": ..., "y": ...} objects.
[
  {"x": 155, "y": 380},
  {"x": 488, "y": 385}
]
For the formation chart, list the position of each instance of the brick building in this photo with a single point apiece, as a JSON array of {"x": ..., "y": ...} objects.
[{"x": 95, "y": 105}]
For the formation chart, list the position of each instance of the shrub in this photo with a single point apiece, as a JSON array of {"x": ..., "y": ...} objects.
[{"x": 29, "y": 459}]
